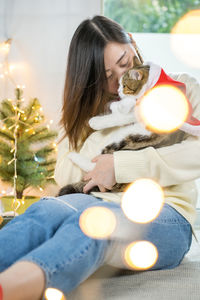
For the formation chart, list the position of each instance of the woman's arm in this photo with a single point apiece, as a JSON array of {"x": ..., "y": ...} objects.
[{"x": 168, "y": 165}]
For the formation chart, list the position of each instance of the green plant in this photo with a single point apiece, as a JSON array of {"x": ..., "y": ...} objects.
[
  {"x": 26, "y": 147},
  {"x": 148, "y": 16}
]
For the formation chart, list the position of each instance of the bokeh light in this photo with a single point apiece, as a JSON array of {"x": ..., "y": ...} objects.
[
  {"x": 54, "y": 294},
  {"x": 143, "y": 200},
  {"x": 189, "y": 23},
  {"x": 140, "y": 255},
  {"x": 163, "y": 109},
  {"x": 5, "y": 47},
  {"x": 185, "y": 39},
  {"x": 97, "y": 222}
]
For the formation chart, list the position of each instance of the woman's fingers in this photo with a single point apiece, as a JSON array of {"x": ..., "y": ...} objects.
[
  {"x": 88, "y": 186},
  {"x": 102, "y": 188},
  {"x": 87, "y": 176},
  {"x": 95, "y": 158},
  {"x": 92, "y": 184},
  {"x": 102, "y": 175}
]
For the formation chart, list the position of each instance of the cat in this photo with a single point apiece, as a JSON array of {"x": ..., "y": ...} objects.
[{"x": 130, "y": 134}]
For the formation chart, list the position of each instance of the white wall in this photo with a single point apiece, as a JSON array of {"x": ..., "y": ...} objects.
[
  {"x": 41, "y": 31},
  {"x": 157, "y": 47}
]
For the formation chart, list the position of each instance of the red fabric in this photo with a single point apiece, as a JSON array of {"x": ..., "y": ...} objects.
[
  {"x": 165, "y": 79},
  {"x": 1, "y": 293},
  {"x": 193, "y": 121}
]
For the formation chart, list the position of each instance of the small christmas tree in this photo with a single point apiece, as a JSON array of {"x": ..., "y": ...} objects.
[{"x": 26, "y": 155}]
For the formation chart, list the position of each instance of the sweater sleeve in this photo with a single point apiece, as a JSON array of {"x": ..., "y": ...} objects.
[
  {"x": 65, "y": 171},
  {"x": 169, "y": 165}
]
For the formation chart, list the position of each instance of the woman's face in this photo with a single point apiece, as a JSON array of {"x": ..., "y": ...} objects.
[{"x": 118, "y": 58}]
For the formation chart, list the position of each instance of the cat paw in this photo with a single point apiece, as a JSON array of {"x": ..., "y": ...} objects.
[
  {"x": 114, "y": 106},
  {"x": 95, "y": 123},
  {"x": 84, "y": 163},
  {"x": 124, "y": 106},
  {"x": 73, "y": 156}
]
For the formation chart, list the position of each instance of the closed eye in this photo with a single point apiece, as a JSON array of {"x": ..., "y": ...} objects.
[{"x": 126, "y": 64}]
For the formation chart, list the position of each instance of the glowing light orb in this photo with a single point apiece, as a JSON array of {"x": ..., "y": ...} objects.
[
  {"x": 185, "y": 38},
  {"x": 163, "y": 109},
  {"x": 97, "y": 222},
  {"x": 142, "y": 201},
  {"x": 5, "y": 47},
  {"x": 189, "y": 23},
  {"x": 140, "y": 255},
  {"x": 54, "y": 294}
]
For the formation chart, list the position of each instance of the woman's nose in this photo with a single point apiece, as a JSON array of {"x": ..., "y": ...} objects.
[
  {"x": 119, "y": 76},
  {"x": 122, "y": 72},
  {"x": 116, "y": 84}
]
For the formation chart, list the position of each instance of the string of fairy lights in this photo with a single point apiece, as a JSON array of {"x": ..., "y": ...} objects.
[{"x": 6, "y": 73}]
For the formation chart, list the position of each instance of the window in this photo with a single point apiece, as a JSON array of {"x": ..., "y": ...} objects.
[{"x": 158, "y": 16}]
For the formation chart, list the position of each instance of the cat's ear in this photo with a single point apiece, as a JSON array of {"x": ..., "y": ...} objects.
[
  {"x": 136, "y": 61},
  {"x": 135, "y": 74},
  {"x": 133, "y": 42}
]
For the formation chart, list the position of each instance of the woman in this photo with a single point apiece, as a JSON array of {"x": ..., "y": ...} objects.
[{"x": 45, "y": 246}]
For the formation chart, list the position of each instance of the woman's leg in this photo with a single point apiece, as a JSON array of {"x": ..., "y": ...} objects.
[
  {"x": 24, "y": 279},
  {"x": 170, "y": 232},
  {"x": 69, "y": 257},
  {"x": 38, "y": 224}
]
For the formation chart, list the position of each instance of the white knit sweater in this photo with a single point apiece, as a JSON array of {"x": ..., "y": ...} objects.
[{"x": 174, "y": 167}]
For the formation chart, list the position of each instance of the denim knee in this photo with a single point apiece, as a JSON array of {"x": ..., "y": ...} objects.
[
  {"x": 173, "y": 240},
  {"x": 69, "y": 257},
  {"x": 49, "y": 213},
  {"x": 48, "y": 206},
  {"x": 170, "y": 232}
]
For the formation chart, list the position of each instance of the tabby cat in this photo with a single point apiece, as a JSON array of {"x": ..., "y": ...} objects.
[{"x": 131, "y": 134}]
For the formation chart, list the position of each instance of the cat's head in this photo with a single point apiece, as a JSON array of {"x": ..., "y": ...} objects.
[{"x": 134, "y": 79}]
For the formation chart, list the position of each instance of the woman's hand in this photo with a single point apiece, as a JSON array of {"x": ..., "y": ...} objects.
[{"x": 102, "y": 175}]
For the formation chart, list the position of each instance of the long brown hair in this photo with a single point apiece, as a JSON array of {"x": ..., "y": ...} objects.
[{"x": 85, "y": 84}]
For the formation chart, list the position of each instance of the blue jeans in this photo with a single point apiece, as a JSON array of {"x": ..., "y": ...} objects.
[{"x": 48, "y": 234}]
